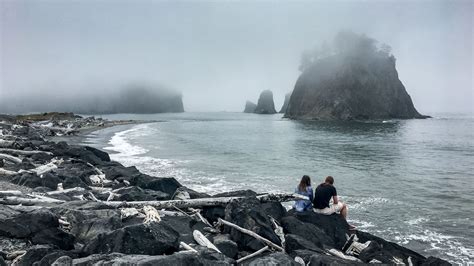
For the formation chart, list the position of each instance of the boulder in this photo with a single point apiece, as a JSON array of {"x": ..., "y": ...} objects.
[
  {"x": 327, "y": 260},
  {"x": 432, "y": 261},
  {"x": 167, "y": 185},
  {"x": 285, "y": 104},
  {"x": 149, "y": 239},
  {"x": 212, "y": 214},
  {"x": 385, "y": 250},
  {"x": 353, "y": 84},
  {"x": 312, "y": 233},
  {"x": 54, "y": 236},
  {"x": 31, "y": 180},
  {"x": 334, "y": 226},
  {"x": 226, "y": 246},
  {"x": 62, "y": 261},
  {"x": 248, "y": 213},
  {"x": 275, "y": 258},
  {"x": 57, "y": 257},
  {"x": 101, "y": 154},
  {"x": 250, "y": 107},
  {"x": 274, "y": 209},
  {"x": 185, "y": 226},
  {"x": 265, "y": 103},
  {"x": 296, "y": 242},
  {"x": 134, "y": 193},
  {"x": 23, "y": 225},
  {"x": 34, "y": 254},
  {"x": 193, "y": 194}
]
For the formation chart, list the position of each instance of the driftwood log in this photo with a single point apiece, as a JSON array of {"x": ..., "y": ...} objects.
[
  {"x": 22, "y": 152},
  {"x": 10, "y": 158},
  {"x": 256, "y": 253},
  {"x": 251, "y": 233},
  {"x": 203, "y": 241}
]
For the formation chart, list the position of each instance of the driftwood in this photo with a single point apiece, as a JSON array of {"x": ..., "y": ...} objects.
[
  {"x": 151, "y": 215},
  {"x": 187, "y": 247},
  {"x": 6, "y": 193},
  {"x": 75, "y": 190},
  {"x": 252, "y": 233},
  {"x": 22, "y": 152},
  {"x": 10, "y": 158},
  {"x": 278, "y": 231},
  {"x": 7, "y": 172},
  {"x": 202, "y": 202},
  {"x": 203, "y": 241},
  {"x": 256, "y": 253},
  {"x": 15, "y": 200}
]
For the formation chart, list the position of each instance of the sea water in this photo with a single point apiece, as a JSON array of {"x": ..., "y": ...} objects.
[{"x": 408, "y": 181}]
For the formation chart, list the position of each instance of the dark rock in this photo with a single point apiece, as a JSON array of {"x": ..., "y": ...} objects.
[
  {"x": 250, "y": 107},
  {"x": 149, "y": 239},
  {"x": 351, "y": 85},
  {"x": 57, "y": 257},
  {"x": 248, "y": 213},
  {"x": 265, "y": 103},
  {"x": 114, "y": 170},
  {"x": 164, "y": 184},
  {"x": 296, "y": 242},
  {"x": 192, "y": 193},
  {"x": 389, "y": 249},
  {"x": 433, "y": 261},
  {"x": 88, "y": 224},
  {"x": 41, "y": 158},
  {"x": 274, "y": 209},
  {"x": 134, "y": 193},
  {"x": 73, "y": 181},
  {"x": 311, "y": 232},
  {"x": 185, "y": 226},
  {"x": 26, "y": 224},
  {"x": 226, "y": 246},
  {"x": 34, "y": 254},
  {"x": 48, "y": 180},
  {"x": 334, "y": 225},
  {"x": 237, "y": 193},
  {"x": 276, "y": 258},
  {"x": 2, "y": 262},
  {"x": 101, "y": 154},
  {"x": 54, "y": 236},
  {"x": 212, "y": 214},
  {"x": 304, "y": 254},
  {"x": 285, "y": 104}
]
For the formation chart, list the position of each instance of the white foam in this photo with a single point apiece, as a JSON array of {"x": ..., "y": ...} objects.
[{"x": 119, "y": 142}]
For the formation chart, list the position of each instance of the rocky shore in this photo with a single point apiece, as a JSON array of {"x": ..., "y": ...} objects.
[{"x": 63, "y": 204}]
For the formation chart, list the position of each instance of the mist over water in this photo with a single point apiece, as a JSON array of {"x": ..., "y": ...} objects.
[{"x": 409, "y": 181}]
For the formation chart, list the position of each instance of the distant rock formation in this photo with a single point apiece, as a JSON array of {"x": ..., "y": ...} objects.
[
  {"x": 265, "y": 103},
  {"x": 285, "y": 104},
  {"x": 141, "y": 99},
  {"x": 250, "y": 107},
  {"x": 356, "y": 81}
]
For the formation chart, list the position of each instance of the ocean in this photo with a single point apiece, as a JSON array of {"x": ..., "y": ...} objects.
[{"x": 408, "y": 181}]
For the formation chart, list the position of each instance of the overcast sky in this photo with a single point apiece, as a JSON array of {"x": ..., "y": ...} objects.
[{"x": 220, "y": 54}]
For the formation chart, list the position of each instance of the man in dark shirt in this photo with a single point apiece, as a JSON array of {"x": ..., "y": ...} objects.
[{"x": 322, "y": 196}]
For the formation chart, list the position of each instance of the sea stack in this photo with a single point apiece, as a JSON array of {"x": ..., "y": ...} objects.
[
  {"x": 355, "y": 81},
  {"x": 265, "y": 103},
  {"x": 285, "y": 104},
  {"x": 250, "y": 107}
]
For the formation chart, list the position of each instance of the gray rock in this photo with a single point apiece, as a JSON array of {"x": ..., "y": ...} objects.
[
  {"x": 250, "y": 107},
  {"x": 62, "y": 261},
  {"x": 272, "y": 259},
  {"x": 226, "y": 246},
  {"x": 265, "y": 103},
  {"x": 285, "y": 103},
  {"x": 351, "y": 86}
]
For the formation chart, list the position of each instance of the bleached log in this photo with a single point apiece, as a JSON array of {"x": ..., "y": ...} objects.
[
  {"x": 14, "y": 200},
  {"x": 6, "y": 193},
  {"x": 22, "y": 152},
  {"x": 341, "y": 255},
  {"x": 187, "y": 247},
  {"x": 278, "y": 231},
  {"x": 151, "y": 215},
  {"x": 15, "y": 254},
  {"x": 75, "y": 190},
  {"x": 256, "y": 253},
  {"x": 203, "y": 241},
  {"x": 251, "y": 233},
  {"x": 202, "y": 202},
  {"x": 7, "y": 172},
  {"x": 198, "y": 214},
  {"x": 43, "y": 169},
  {"x": 10, "y": 158}
]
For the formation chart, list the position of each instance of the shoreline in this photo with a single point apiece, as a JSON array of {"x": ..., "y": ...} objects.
[{"x": 76, "y": 181}]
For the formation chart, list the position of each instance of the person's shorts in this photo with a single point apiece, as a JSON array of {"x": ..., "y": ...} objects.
[{"x": 334, "y": 208}]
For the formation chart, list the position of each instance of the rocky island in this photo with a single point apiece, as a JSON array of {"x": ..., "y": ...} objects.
[
  {"x": 355, "y": 80},
  {"x": 265, "y": 104},
  {"x": 250, "y": 107},
  {"x": 285, "y": 103},
  {"x": 67, "y": 204}
]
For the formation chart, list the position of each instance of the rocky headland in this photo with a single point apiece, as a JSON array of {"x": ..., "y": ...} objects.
[
  {"x": 265, "y": 104},
  {"x": 285, "y": 103},
  {"x": 65, "y": 204},
  {"x": 250, "y": 107},
  {"x": 355, "y": 80}
]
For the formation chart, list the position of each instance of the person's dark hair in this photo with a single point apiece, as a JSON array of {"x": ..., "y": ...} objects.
[
  {"x": 329, "y": 180},
  {"x": 304, "y": 183}
]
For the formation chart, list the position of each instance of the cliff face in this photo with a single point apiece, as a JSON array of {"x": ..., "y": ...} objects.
[
  {"x": 265, "y": 103},
  {"x": 285, "y": 104},
  {"x": 346, "y": 87},
  {"x": 250, "y": 107}
]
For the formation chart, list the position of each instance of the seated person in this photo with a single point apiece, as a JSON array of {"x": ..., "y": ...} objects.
[
  {"x": 305, "y": 189},
  {"x": 322, "y": 196}
]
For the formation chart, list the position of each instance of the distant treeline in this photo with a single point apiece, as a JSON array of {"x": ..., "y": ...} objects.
[{"x": 131, "y": 99}]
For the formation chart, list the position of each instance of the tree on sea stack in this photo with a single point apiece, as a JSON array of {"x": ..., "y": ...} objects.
[{"x": 355, "y": 79}]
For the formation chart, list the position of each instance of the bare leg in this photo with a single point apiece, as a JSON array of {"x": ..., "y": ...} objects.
[{"x": 344, "y": 211}]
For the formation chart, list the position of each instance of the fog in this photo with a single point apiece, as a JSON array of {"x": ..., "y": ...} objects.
[{"x": 220, "y": 54}]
